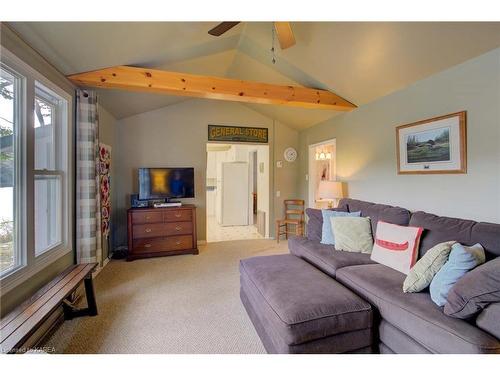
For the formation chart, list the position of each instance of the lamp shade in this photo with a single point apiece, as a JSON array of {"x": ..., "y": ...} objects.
[{"x": 330, "y": 190}]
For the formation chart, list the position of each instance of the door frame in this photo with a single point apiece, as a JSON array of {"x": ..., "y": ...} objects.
[
  {"x": 268, "y": 171},
  {"x": 311, "y": 172},
  {"x": 252, "y": 157}
]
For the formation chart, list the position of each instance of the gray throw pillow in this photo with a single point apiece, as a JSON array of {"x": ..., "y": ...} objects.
[{"x": 474, "y": 291}]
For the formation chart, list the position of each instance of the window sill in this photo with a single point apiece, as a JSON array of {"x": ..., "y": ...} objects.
[{"x": 22, "y": 274}]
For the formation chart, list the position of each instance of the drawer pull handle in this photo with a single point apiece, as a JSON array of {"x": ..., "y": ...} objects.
[
  {"x": 147, "y": 245},
  {"x": 147, "y": 230},
  {"x": 177, "y": 242},
  {"x": 148, "y": 217},
  {"x": 178, "y": 215},
  {"x": 178, "y": 228}
]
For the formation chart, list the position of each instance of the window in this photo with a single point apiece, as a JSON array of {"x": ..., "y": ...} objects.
[
  {"x": 10, "y": 122},
  {"x": 34, "y": 169},
  {"x": 49, "y": 119}
]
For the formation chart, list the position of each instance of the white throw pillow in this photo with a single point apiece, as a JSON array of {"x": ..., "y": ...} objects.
[{"x": 396, "y": 246}]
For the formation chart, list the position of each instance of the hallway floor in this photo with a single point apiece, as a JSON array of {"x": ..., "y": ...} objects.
[{"x": 216, "y": 232}]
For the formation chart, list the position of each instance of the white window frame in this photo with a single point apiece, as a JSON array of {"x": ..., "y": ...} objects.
[
  {"x": 30, "y": 264},
  {"x": 60, "y": 167},
  {"x": 20, "y": 176}
]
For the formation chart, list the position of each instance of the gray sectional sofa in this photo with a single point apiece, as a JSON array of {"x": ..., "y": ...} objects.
[{"x": 320, "y": 300}]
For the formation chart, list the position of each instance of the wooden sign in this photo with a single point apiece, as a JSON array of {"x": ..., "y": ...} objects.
[{"x": 224, "y": 133}]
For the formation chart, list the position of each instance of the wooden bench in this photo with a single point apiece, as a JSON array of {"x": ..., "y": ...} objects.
[{"x": 20, "y": 324}]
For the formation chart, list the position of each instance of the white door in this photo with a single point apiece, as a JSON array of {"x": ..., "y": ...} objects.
[{"x": 234, "y": 193}]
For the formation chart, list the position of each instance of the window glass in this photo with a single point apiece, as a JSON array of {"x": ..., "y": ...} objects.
[
  {"x": 47, "y": 212},
  {"x": 49, "y": 119},
  {"x": 9, "y": 123},
  {"x": 45, "y": 129}
]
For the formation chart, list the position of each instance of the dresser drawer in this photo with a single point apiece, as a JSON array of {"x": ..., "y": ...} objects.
[
  {"x": 183, "y": 227},
  {"x": 179, "y": 243},
  {"x": 149, "y": 230},
  {"x": 155, "y": 245},
  {"x": 147, "y": 217},
  {"x": 150, "y": 245},
  {"x": 177, "y": 215}
]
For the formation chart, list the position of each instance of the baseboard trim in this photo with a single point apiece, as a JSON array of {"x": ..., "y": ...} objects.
[
  {"x": 99, "y": 269},
  {"x": 201, "y": 242}
]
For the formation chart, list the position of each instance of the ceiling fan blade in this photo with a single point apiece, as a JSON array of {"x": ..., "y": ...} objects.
[
  {"x": 285, "y": 34},
  {"x": 221, "y": 28}
]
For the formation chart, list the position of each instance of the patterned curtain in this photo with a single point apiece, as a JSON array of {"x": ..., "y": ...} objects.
[{"x": 88, "y": 215}]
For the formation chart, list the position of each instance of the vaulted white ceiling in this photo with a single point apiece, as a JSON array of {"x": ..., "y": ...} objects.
[{"x": 358, "y": 61}]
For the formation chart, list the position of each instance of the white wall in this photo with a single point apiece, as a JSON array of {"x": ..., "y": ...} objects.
[
  {"x": 176, "y": 136},
  {"x": 366, "y": 143}
]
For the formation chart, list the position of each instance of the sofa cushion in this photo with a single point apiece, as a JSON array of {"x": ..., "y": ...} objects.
[
  {"x": 376, "y": 212},
  {"x": 489, "y": 320},
  {"x": 488, "y": 235},
  {"x": 300, "y": 302},
  {"x": 439, "y": 229},
  {"x": 325, "y": 257},
  {"x": 476, "y": 290},
  {"x": 274, "y": 344},
  {"x": 414, "y": 313},
  {"x": 315, "y": 222}
]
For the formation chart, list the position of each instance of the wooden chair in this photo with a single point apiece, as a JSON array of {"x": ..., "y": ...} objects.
[{"x": 294, "y": 217}]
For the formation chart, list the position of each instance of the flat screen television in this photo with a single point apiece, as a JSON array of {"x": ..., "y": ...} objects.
[{"x": 159, "y": 183}]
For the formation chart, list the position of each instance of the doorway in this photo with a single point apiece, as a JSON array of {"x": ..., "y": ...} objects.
[
  {"x": 322, "y": 166},
  {"x": 237, "y": 192}
]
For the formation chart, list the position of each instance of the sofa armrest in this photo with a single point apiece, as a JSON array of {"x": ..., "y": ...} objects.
[{"x": 489, "y": 320}]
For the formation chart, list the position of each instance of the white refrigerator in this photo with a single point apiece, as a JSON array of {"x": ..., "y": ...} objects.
[{"x": 233, "y": 190}]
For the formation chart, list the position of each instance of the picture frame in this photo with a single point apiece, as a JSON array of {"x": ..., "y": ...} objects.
[{"x": 433, "y": 146}]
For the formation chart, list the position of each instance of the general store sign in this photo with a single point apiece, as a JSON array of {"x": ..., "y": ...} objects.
[{"x": 223, "y": 133}]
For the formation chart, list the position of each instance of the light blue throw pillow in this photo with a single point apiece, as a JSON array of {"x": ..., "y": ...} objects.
[
  {"x": 461, "y": 260},
  {"x": 327, "y": 237}
]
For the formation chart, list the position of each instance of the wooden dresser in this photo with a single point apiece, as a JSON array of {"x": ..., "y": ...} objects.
[{"x": 161, "y": 231}]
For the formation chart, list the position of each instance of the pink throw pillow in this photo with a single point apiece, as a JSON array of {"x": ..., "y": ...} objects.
[{"x": 396, "y": 246}]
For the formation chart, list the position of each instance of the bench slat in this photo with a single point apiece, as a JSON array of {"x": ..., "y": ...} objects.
[
  {"x": 32, "y": 308},
  {"x": 23, "y": 327},
  {"x": 38, "y": 294}
]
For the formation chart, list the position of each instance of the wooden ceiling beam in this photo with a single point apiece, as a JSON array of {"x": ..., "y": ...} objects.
[{"x": 174, "y": 83}]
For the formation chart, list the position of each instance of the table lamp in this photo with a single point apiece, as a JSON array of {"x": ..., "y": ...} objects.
[{"x": 331, "y": 191}]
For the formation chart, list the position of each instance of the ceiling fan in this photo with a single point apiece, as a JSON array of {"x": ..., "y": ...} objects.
[{"x": 283, "y": 31}]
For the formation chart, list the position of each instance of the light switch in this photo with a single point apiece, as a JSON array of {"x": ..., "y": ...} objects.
[
  {"x": 278, "y": 193},
  {"x": 307, "y": 177},
  {"x": 279, "y": 164}
]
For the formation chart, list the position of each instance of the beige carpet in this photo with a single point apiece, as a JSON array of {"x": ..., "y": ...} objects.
[{"x": 181, "y": 304}]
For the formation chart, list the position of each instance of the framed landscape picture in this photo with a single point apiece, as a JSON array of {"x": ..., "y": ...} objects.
[{"x": 436, "y": 145}]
